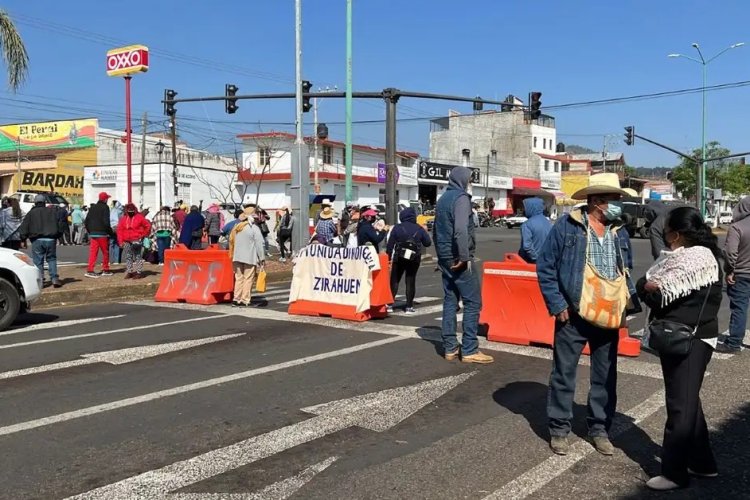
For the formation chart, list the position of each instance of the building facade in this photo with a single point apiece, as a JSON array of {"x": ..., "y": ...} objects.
[
  {"x": 266, "y": 176},
  {"x": 515, "y": 156}
]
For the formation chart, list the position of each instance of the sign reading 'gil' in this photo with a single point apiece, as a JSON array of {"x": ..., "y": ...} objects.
[{"x": 127, "y": 60}]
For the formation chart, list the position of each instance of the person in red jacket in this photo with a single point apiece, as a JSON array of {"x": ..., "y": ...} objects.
[{"x": 131, "y": 230}]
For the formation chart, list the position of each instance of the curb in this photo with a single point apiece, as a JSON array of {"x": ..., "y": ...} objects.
[{"x": 140, "y": 291}]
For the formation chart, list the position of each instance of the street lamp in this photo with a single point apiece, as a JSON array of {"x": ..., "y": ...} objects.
[
  {"x": 160, "y": 150},
  {"x": 702, "y": 168}
]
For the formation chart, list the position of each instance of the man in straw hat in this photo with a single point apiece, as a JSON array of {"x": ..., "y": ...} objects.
[
  {"x": 583, "y": 275},
  {"x": 246, "y": 246}
]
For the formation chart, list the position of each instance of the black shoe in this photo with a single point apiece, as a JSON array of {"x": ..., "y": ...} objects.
[
  {"x": 56, "y": 283},
  {"x": 726, "y": 349}
]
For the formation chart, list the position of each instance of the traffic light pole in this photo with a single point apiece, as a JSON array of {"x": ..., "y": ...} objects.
[
  {"x": 301, "y": 169},
  {"x": 173, "y": 133},
  {"x": 391, "y": 97}
]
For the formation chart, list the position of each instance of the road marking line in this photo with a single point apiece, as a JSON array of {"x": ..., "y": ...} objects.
[
  {"x": 535, "y": 479},
  {"x": 629, "y": 366},
  {"x": 422, "y": 311},
  {"x": 459, "y": 317},
  {"x": 153, "y": 396},
  {"x": 57, "y": 324},
  {"x": 97, "y": 334},
  {"x": 280, "y": 490}
]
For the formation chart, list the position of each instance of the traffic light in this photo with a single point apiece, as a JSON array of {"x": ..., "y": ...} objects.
[
  {"x": 306, "y": 86},
  {"x": 629, "y": 135},
  {"x": 535, "y": 105},
  {"x": 169, "y": 95},
  {"x": 230, "y": 104},
  {"x": 478, "y": 104}
]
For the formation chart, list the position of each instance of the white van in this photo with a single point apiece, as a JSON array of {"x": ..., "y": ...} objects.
[{"x": 26, "y": 199}]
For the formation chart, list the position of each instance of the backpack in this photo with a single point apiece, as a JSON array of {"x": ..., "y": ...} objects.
[{"x": 408, "y": 250}]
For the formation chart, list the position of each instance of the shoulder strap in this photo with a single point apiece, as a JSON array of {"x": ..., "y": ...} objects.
[{"x": 705, "y": 301}]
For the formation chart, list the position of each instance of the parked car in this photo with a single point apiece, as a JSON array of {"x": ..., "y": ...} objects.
[
  {"x": 725, "y": 217},
  {"x": 515, "y": 221},
  {"x": 26, "y": 199},
  {"x": 20, "y": 285}
]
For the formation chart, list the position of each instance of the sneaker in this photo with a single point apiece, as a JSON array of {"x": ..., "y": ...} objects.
[
  {"x": 559, "y": 445},
  {"x": 389, "y": 309},
  {"x": 161, "y": 263},
  {"x": 603, "y": 445},
  {"x": 478, "y": 358},
  {"x": 451, "y": 356},
  {"x": 282, "y": 259},
  {"x": 91, "y": 275},
  {"x": 727, "y": 349},
  {"x": 661, "y": 483},
  {"x": 409, "y": 311},
  {"x": 106, "y": 273},
  {"x": 236, "y": 304},
  {"x": 702, "y": 474}
]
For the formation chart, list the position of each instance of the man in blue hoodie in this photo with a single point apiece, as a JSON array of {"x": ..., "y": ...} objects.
[
  {"x": 455, "y": 245},
  {"x": 534, "y": 231}
]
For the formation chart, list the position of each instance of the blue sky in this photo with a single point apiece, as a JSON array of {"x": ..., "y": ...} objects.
[{"x": 571, "y": 51}]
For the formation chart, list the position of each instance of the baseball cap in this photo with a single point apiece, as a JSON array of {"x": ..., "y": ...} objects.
[
  {"x": 104, "y": 196},
  {"x": 369, "y": 213}
]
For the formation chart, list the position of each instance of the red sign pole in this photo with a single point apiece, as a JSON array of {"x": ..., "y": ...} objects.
[{"x": 128, "y": 140}]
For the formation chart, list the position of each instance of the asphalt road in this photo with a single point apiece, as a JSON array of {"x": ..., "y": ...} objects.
[{"x": 238, "y": 408}]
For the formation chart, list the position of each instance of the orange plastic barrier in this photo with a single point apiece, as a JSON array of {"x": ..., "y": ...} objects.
[
  {"x": 380, "y": 296},
  {"x": 196, "y": 276},
  {"x": 514, "y": 310}
]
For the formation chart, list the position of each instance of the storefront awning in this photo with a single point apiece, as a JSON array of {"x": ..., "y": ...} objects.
[{"x": 524, "y": 191}]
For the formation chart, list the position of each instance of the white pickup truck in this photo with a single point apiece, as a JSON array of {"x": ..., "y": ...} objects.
[{"x": 20, "y": 285}]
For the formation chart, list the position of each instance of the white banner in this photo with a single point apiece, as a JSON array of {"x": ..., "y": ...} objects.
[{"x": 334, "y": 275}]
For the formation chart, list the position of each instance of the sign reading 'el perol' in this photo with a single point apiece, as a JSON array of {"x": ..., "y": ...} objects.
[
  {"x": 127, "y": 60},
  {"x": 439, "y": 172}
]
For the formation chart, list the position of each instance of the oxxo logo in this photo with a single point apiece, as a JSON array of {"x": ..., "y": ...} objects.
[{"x": 127, "y": 60}]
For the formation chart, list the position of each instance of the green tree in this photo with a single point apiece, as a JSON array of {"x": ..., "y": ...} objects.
[
  {"x": 14, "y": 52},
  {"x": 685, "y": 175}
]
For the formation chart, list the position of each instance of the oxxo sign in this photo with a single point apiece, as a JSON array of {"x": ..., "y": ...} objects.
[{"x": 127, "y": 60}]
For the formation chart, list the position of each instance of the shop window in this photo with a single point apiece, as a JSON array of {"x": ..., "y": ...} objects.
[
  {"x": 327, "y": 155},
  {"x": 546, "y": 165}
]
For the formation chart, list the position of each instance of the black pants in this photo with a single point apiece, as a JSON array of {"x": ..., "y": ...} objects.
[
  {"x": 399, "y": 267},
  {"x": 282, "y": 239},
  {"x": 213, "y": 239},
  {"x": 686, "y": 433}
]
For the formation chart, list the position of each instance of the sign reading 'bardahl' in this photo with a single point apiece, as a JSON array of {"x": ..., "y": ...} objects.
[{"x": 439, "y": 172}]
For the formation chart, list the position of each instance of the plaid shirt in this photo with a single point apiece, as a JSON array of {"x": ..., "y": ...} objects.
[
  {"x": 602, "y": 253},
  {"x": 163, "y": 221},
  {"x": 325, "y": 231}
]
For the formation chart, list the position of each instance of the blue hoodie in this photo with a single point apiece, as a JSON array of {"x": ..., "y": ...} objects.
[{"x": 534, "y": 231}]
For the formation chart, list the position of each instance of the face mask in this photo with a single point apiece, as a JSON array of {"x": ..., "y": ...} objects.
[
  {"x": 470, "y": 189},
  {"x": 131, "y": 213},
  {"x": 613, "y": 211}
]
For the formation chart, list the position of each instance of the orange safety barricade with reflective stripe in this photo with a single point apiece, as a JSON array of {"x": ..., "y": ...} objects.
[
  {"x": 196, "y": 276},
  {"x": 514, "y": 310},
  {"x": 380, "y": 296}
]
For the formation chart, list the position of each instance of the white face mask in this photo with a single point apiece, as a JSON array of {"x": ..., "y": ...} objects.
[{"x": 470, "y": 189}]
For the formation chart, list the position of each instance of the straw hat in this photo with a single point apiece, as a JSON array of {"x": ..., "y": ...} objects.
[
  {"x": 600, "y": 184},
  {"x": 247, "y": 212},
  {"x": 326, "y": 213}
]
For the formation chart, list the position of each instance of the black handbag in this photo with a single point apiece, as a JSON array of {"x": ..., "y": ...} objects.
[{"x": 671, "y": 338}]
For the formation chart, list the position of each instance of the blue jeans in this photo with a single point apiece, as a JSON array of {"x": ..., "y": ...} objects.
[
  {"x": 463, "y": 285},
  {"x": 739, "y": 296},
  {"x": 163, "y": 243},
  {"x": 114, "y": 251},
  {"x": 570, "y": 338},
  {"x": 45, "y": 249}
]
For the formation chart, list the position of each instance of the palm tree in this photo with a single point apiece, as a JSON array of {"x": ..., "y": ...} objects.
[{"x": 13, "y": 52}]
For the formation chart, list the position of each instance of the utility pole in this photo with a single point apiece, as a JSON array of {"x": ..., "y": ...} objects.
[
  {"x": 301, "y": 170},
  {"x": 144, "y": 121},
  {"x": 391, "y": 97},
  {"x": 349, "y": 159},
  {"x": 315, "y": 144},
  {"x": 487, "y": 182},
  {"x": 173, "y": 127},
  {"x": 18, "y": 163}
]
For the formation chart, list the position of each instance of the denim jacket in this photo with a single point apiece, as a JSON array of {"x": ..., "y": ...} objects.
[{"x": 561, "y": 263}]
